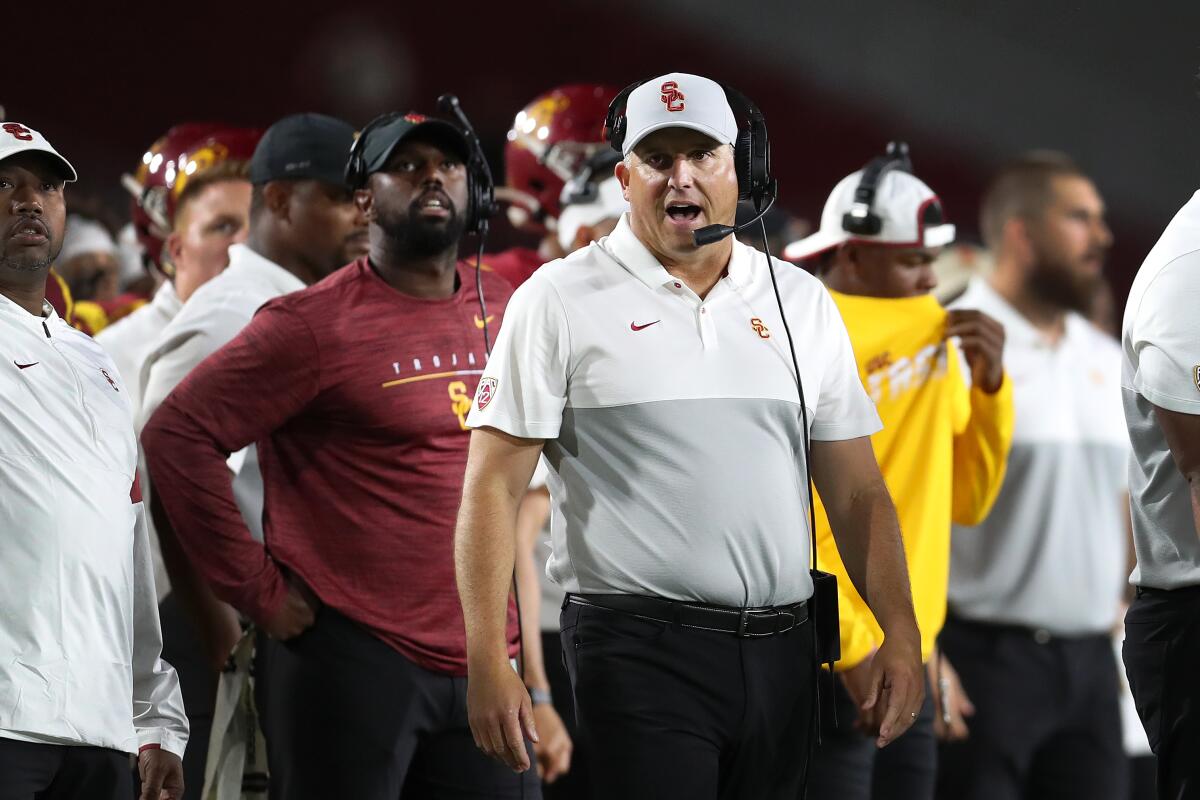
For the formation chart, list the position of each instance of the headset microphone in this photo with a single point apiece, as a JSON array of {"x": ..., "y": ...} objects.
[{"x": 711, "y": 234}]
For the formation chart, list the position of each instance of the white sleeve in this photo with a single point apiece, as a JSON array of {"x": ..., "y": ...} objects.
[
  {"x": 843, "y": 408},
  {"x": 166, "y": 367},
  {"x": 523, "y": 389},
  {"x": 186, "y": 342},
  {"x": 158, "y": 713},
  {"x": 1165, "y": 335}
]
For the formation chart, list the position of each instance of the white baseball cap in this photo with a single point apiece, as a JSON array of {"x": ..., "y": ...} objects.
[
  {"x": 911, "y": 213},
  {"x": 678, "y": 100},
  {"x": 85, "y": 236},
  {"x": 17, "y": 138}
]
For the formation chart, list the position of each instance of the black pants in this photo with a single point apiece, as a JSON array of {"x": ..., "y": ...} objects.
[
  {"x": 848, "y": 765},
  {"x": 573, "y": 785},
  {"x": 345, "y": 715},
  {"x": 183, "y": 650},
  {"x": 1047, "y": 722},
  {"x": 1162, "y": 661},
  {"x": 668, "y": 712},
  {"x": 31, "y": 771}
]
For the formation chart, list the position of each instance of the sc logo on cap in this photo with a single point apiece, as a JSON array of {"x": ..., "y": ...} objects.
[
  {"x": 671, "y": 96},
  {"x": 18, "y": 131}
]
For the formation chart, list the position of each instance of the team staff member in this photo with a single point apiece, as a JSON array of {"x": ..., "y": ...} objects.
[
  {"x": 81, "y": 681},
  {"x": 942, "y": 450},
  {"x": 1036, "y": 588},
  {"x": 651, "y": 373},
  {"x": 1160, "y": 384},
  {"x": 302, "y": 226},
  {"x": 357, "y": 390}
]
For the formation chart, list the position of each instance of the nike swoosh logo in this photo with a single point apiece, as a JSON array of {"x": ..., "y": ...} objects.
[
  {"x": 633, "y": 326},
  {"x": 479, "y": 323},
  {"x": 27, "y": 366}
]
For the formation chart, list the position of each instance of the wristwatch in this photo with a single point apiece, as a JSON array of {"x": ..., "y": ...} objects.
[{"x": 540, "y": 696}]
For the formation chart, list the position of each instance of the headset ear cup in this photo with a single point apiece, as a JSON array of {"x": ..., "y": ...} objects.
[
  {"x": 743, "y": 156},
  {"x": 760, "y": 167}
]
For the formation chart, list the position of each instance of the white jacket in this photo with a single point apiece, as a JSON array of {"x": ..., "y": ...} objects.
[{"x": 80, "y": 641}]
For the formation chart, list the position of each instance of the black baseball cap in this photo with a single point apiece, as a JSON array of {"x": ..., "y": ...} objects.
[
  {"x": 381, "y": 141},
  {"x": 303, "y": 147}
]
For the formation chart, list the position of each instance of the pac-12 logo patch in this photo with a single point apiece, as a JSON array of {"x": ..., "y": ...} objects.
[
  {"x": 1196, "y": 375},
  {"x": 485, "y": 392},
  {"x": 671, "y": 96}
]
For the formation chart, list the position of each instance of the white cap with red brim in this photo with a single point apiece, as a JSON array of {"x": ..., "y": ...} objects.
[{"x": 911, "y": 214}]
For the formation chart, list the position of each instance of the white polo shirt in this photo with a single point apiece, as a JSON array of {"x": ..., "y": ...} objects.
[
  {"x": 212, "y": 316},
  {"x": 79, "y": 631},
  {"x": 1052, "y": 553},
  {"x": 672, "y": 422},
  {"x": 1161, "y": 367}
]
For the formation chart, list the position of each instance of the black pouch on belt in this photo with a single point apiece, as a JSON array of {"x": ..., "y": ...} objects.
[{"x": 823, "y": 611}]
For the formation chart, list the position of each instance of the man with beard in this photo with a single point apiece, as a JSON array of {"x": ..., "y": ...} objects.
[
  {"x": 82, "y": 686},
  {"x": 1036, "y": 588},
  {"x": 357, "y": 391}
]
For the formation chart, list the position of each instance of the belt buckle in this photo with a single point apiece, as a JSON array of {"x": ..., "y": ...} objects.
[{"x": 743, "y": 621}]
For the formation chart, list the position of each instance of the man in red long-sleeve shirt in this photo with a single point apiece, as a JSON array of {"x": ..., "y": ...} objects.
[{"x": 356, "y": 392}]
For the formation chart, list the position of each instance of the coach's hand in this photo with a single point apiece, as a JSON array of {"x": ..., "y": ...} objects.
[
  {"x": 293, "y": 618},
  {"x": 897, "y": 687},
  {"x": 553, "y": 752},
  {"x": 982, "y": 341},
  {"x": 161, "y": 773},
  {"x": 501, "y": 714}
]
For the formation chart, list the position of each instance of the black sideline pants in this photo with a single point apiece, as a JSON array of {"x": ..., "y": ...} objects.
[
  {"x": 573, "y": 785},
  {"x": 347, "y": 716},
  {"x": 30, "y": 771},
  {"x": 1162, "y": 661},
  {"x": 665, "y": 711},
  {"x": 1047, "y": 723},
  {"x": 848, "y": 765}
]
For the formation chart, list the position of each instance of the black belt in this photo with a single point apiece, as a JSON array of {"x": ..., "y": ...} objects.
[
  {"x": 1039, "y": 635},
  {"x": 741, "y": 622}
]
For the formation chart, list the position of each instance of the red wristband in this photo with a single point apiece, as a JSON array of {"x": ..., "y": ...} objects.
[{"x": 151, "y": 746}]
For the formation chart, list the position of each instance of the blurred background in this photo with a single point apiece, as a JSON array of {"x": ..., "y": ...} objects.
[{"x": 967, "y": 84}]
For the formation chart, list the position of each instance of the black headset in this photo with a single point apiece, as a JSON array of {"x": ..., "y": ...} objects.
[
  {"x": 751, "y": 151},
  {"x": 481, "y": 203},
  {"x": 861, "y": 218}
]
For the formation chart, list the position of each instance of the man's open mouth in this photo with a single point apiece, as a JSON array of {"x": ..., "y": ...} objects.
[{"x": 683, "y": 212}]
